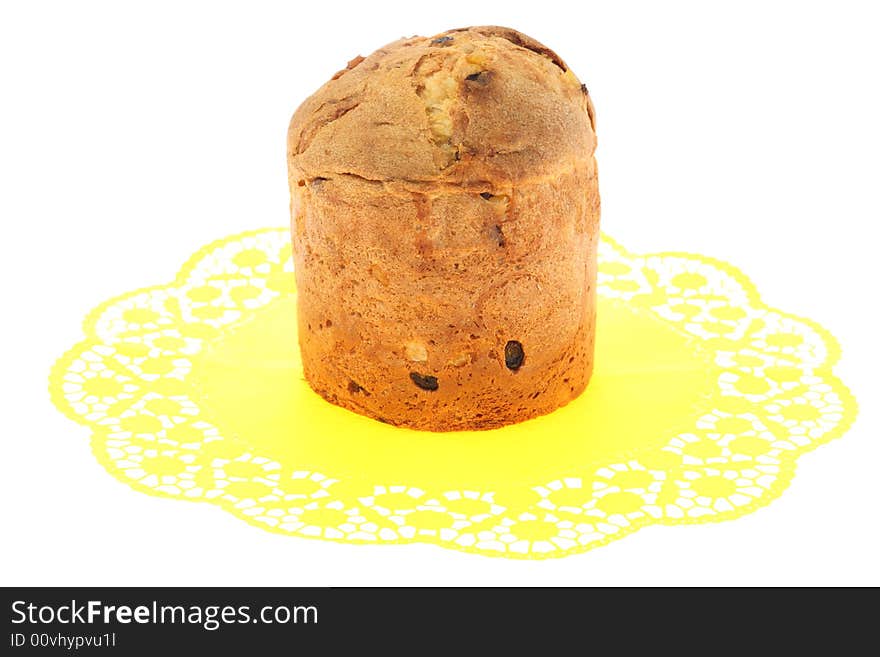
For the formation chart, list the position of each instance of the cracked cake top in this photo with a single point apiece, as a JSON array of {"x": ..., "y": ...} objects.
[{"x": 464, "y": 107}]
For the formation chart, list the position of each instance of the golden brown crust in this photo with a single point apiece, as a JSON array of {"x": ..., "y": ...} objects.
[
  {"x": 371, "y": 120},
  {"x": 445, "y": 210}
]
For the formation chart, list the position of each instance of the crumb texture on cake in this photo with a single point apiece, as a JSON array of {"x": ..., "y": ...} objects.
[{"x": 444, "y": 214}]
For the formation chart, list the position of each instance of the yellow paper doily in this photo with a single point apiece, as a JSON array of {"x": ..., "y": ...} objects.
[{"x": 701, "y": 401}]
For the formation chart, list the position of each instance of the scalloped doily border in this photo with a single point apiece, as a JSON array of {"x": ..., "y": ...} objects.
[{"x": 622, "y": 281}]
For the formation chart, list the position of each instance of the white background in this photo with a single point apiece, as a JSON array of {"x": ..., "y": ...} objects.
[{"x": 131, "y": 135}]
